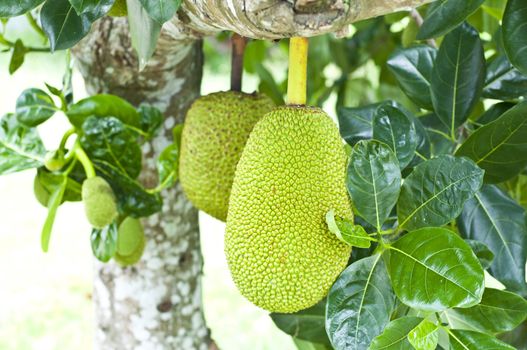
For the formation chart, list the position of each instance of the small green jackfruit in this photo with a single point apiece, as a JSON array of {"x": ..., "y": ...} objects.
[
  {"x": 281, "y": 255},
  {"x": 119, "y": 9},
  {"x": 216, "y": 129},
  {"x": 99, "y": 202},
  {"x": 54, "y": 160},
  {"x": 130, "y": 242}
]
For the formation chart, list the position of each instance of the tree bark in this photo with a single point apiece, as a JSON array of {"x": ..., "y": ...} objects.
[{"x": 157, "y": 303}]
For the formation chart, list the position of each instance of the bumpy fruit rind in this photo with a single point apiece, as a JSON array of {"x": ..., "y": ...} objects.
[
  {"x": 216, "y": 129},
  {"x": 99, "y": 202},
  {"x": 281, "y": 255}
]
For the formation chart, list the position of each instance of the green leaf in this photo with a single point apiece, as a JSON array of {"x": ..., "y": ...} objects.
[
  {"x": 355, "y": 124},
  {"x": 62, "y": 25},
  {"x": 513, "y": 32},
  {"x": 161, "y": 10},
  {"x": 34, "y": 107},
  {"x": 495, "y": 219},
  {"x": 104, "y": 242},
  {"x": 424, "y": 336},
  {"x": 432, "y": 269},
  {"x": 109, "y": 140},
  {"x": 144, "y": 31},
  {"x": 494, "y": 112},
  {"x": 103, "y": 106},
  {"x": 306, "y": 345},
  {"x": 347, "y": 231},
  {"x": 94, "y": 9},
  {"x": 307, "y": 324},
  {"x": 436, "y": 190},
  {"x": 504, "y": 82},
  {"x": 360, "y": 303},
  {"x": 484, "y": 254},
  {"x": 458, "y": 76},
  {"x": 151, "y": 120},
  {"x": 373, "y": 180},
  {"x": 395, "y": 335},
  {"x": 132, "y": 198},
  {"x": 395, "y": 129},
  {"x": 13, "y": 8},
  {"x": 20, "y": 148},
  {"x": 470, "y": 340},
  {"x": 413, "y": 69},
  {"x": 500, "y": 148},
  {"x": 447, "y": 15},
  {"x": 499, "y": 311},
  {"x": 54, "y": 202},
  {"x": 517, "y": 337},
  {"x": 17, "y": 57},
  {"x": 50, "y": 181},
  {"x": 168, "y": 165},
  {"x": 268, "y": 85}
]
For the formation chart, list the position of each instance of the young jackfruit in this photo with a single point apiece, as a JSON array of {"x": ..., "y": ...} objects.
[
  {"x": 130, "y": 242},
  {"x": 280, "y": 252},
  {"x": 119, "y": 9},
  {"x": 99, "y": 202},
  {"x": 216, "y": 129}
]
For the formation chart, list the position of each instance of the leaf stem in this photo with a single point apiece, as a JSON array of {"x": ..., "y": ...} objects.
[
  {"x": 238, "y": 44},
  {"x": 85, "y": 161},
  {"x": 11, "y": 44},
  {"x": 33, "y": 23},
  {"x": 65, "y": 138},
  {"x": 297, "y": 77}
]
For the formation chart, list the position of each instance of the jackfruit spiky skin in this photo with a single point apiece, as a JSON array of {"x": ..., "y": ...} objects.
[
  {"x": 280, "y": 252},
  {"x": 216, "y": 129},
  {"x": 130, "y": 242},
  {"x": 119, "y": 9},
  {"x": 99, "y": 202}
]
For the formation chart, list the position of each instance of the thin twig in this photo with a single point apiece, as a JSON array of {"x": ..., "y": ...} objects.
[
  {"x": 419, "y": 21},
  {"x": 238, "y": 44}
]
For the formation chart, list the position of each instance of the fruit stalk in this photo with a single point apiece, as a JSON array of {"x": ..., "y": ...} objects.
[
  {"x": 238, "y": 43},
  {"x": 297, "y": 77}
]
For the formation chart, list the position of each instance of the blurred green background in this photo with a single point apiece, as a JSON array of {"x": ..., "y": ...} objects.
[{"x": 45, "y": 299}]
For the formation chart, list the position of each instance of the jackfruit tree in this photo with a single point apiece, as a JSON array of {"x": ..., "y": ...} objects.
[{"x": 374, "y": 187}]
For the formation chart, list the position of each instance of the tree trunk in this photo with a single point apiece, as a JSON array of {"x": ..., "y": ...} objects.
[{"x": 157, "y": 303}]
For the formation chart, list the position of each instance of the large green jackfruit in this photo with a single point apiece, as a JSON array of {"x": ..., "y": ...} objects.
[
  {"x": 216, "y": 129},
  {"x": 280, "y": 252},
  {"x": 99, "y": 202}
]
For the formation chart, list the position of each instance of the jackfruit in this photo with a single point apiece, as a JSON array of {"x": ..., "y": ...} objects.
[
  {"x": 99, "y": 202},
  {"x": 216, "y": 129},
  {"x": 54, "y": 160},
  {"x": 130, "y": 242},
  {"x": 281, "y": 255},
  {"x": 119, "y": 9}
]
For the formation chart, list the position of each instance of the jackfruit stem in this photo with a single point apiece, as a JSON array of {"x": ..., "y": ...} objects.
[
  {"x": 238, "y": 43},
  {"x": 85, "y": 161},
  {"x": 297, "y": 77}
]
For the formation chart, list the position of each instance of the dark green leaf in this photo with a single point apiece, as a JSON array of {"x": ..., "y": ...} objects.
[
  {"x": 395, "y": 335},
  {"x": 447, "y": 15},
  {"x": 494, "y": 112},
  {"x": 432, "y": 269},
  {"x": 495, "y": 219},
  {"x": 436, "y": 190},
  {"x": 104, "y": 242},
  {"x": 132, "y": 198},
  {"x": 359, "y": 304},
  {"x": 499, "y": 311},
  {"x": 307, "y": 324},
  {"x": 63, "y": 26},
  {"x": 104, "y": 106},
  {"x": 17, "y": 57},
  {"x": 94, "y": 9},
  {"x": 355, "y": 124},
  {"x": 504, "y": 82},
  {"x": 161, "y": 10},
  {"x": 54, "y": 202},
  {"x": 517, "y": 337},
  {"x": 168, "y": 165},
  {"x": 470, "y": 340},
  {"x": 484, "y": 254},
  {"x": 20, "y": 148},
  {"x": 12, "y": 8},
  {"x": 424, "y": 146},
  {"x": 109, "y": 140},
  {"x": 34, "y": 107},
  {"x": 413, "y": 69},
  {"x": 395, "y": 129},
  {"x": 50, "y": 181},
  {"x": 440, "y": 142},
  {"x": 373, "y": 180},
  {"x": 424, "y": 336},
  {"x": 458, "y": 76},
  {"x": 514, "y": 35},
  {"x": 151, "y": 119},
  {"x": 144, "y": 31},
  {"x": 347, "y": 231},
  {"x": 500, "y": 148}
]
